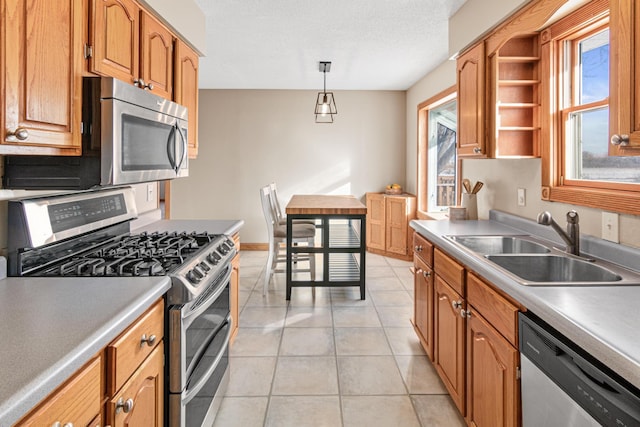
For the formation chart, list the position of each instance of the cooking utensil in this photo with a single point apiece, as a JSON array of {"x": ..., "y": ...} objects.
[
  {"x": 467, "y": 185},
  {"x": 477, "y": 187}
]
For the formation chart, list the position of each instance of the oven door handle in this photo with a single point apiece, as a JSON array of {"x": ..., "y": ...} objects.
[
  {"x": 192, "y": 315},
  {"x": 191, "y": 392}
]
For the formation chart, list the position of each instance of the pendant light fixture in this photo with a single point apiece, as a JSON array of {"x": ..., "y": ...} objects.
[{"x": 325, "y": 103}]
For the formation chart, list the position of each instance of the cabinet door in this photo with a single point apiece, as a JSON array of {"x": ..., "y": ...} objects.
[
  {"x": 376, "y": 221},
  {"x": 186, "y": 90},
  {"x": 423, "y": 305},
  {"x": 156, "y": 56},
  {"x": 396, "y": 225},
  {"x": 624, "y": 91},
  {"x": 493, "y": 389},
  {"x": 471, "y": 102},
  {"x": 115, "y": 32},
  {"x": 41, "y": 44},
  {"x": 449, "y": 342},
  {"x": 140, "y": 402}
]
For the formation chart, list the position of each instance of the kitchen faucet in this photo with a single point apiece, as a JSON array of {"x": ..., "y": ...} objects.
[{"x": 571, "y": 236}]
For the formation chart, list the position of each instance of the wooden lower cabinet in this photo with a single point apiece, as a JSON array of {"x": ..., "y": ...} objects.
[
  {"x": 493, "y": 389},
  {"x": 470, "y": 332},
  {"x": 77, "y": 402},
  {"x": 423, "y": 301},
  {"x": 449, "y": 341},
  {"x": 140, "y": 402}
]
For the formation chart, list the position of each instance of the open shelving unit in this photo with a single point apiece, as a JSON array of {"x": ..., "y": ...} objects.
[{"x": 515, "y": 127}]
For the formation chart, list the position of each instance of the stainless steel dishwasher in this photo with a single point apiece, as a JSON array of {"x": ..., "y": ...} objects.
[{"x": 563, "y": 386}]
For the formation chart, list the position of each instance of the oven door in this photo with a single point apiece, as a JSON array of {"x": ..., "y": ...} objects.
[
  {"x": 199, "y": 335},
  {"x": 140, "y": 145}
]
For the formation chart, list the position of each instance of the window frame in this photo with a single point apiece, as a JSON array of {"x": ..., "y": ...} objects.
[
  {"x": 610, "y": 196},
  {"x": 422, "y": 191}
]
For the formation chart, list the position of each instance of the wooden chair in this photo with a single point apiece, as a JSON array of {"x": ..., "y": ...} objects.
[{"x": 277, "y": 233}]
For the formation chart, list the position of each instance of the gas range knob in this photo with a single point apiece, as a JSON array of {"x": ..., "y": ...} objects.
[
  {"x": 203, "y": 265},
  {"x": 223, "y": 248},
  {"x": 194, "y": 277},
  {"x": 214, "y": 258}
]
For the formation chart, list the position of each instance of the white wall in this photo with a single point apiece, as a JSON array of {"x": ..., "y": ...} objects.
[{"x": 249, "y": 138}]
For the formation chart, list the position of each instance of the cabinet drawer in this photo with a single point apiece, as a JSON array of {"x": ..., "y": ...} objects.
[
  {"x": 449, "y": 270},
  {"x": 128, "y": 351},
  {"x": 77, "y": 402},
  {"x": 502, "y": 315},
  {"x": 423, "y": 248}
]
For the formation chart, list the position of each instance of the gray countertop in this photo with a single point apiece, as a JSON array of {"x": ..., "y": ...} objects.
[
  {"x": 603, "y": 320},
  {"x": 51, "y": 327}
]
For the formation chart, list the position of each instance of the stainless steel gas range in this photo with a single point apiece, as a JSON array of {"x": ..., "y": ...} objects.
[{"x": 88, "y": 234}]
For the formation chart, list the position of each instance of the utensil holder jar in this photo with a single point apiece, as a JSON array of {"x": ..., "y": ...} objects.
[{"x": 470, "y": 202}]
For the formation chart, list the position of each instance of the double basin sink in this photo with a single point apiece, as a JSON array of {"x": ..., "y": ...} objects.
[{"x": 533, "y": 262}]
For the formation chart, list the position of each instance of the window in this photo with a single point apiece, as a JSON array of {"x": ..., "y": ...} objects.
[
  {"x": 580, "y": 169},
  {"x": 437, "y": 157}
]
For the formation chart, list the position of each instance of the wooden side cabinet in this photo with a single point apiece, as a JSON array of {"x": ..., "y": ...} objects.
[
  {"x": 234, "y": 291},
  {"x": 41, "y": 69},
  {"x": 388, "y": 231},
  {"x": 186, "y": 90}
]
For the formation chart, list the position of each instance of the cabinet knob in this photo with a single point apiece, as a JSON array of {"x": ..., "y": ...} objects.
[
  {"x": 125, "y": 406},
  {"x": 59, "y": 424},
  {"x": 426, "y": 273},
  {"x": 465, "y": 313},
  {"x": 150, "y": 341},
  {"x": 456, "y": 304},
  {"x": 139, "y": 83},
  {"x": 418, "y": 248},
  {"x": 20, "y": 134},
  {"x": 148, "y": 86},
  {"x": 622, "y": 140},
  {"x": 477, "y": 150}
]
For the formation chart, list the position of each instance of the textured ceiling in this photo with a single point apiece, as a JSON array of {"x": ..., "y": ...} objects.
[{"x": 277, "y": 44}]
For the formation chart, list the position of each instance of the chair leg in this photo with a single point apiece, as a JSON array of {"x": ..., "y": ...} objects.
[{"x": 271, "y": 259}]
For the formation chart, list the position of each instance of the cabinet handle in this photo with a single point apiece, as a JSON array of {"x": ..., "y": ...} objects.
[
  {"x": 622, "y": 140},
  {"x": 465, "y": 313},
  {"x": 125, "y": 406},
  {"x": 426, "y": 273},
  {"x": 148, "y": 86},
  {"x": 150, "y": 341},
  {"x": 418, "y": 248},
  {"x": 139, "y": 83},
  {"x": 20, "y": 134},
  {"x": 477, "y": 150},
  {"x": 456, "y": 304}
]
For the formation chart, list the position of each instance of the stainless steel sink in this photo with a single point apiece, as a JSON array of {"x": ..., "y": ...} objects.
[
  {"x": 500, "y": 244},
  {"x": 555, "y": 269}
]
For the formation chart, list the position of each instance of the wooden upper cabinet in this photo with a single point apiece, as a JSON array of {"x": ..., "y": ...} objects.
[
  {"x": 132, "y": 46},
  {"x": 156, "y": 56},
  {"x": 624, "y": 89},
  {"x": 186, "y": 90},
  {"x": 115, "y": 36},
  {"x": 42, "y": 77},
  {"x": 471, "y": 102}
]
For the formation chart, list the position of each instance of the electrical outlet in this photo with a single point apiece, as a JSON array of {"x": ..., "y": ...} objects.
[
  {"x": 150, "y": 192},
  {"x": 610, "y": 227},
  {"x": 522, "y": 198}
]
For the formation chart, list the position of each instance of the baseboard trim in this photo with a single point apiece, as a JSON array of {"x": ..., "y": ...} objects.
[{"x": 254, "y": 246}]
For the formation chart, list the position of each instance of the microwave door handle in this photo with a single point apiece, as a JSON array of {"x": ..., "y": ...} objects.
[
  {"x": 184, "y": 148},
  {"x": 171, "y": 148}
]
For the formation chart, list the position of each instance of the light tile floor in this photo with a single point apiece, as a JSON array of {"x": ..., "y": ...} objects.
[{"x": 333, "y": 359}]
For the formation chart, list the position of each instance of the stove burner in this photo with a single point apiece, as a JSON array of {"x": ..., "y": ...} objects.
[{"x": 144, "y": 254}]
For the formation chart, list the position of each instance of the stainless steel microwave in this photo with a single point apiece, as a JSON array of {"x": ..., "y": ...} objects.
[{"x": 129, "y": 135}]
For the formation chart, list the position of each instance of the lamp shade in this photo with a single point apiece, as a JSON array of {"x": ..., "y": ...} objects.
[{"x": 325, "y": 107}]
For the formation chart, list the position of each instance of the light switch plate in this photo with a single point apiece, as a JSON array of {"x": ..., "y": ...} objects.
[{"x": 610, "y": 229}]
